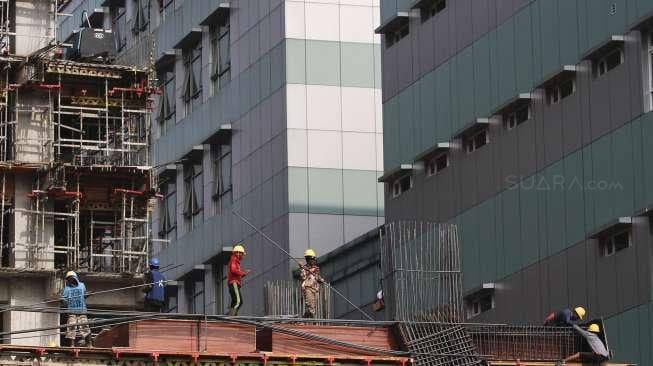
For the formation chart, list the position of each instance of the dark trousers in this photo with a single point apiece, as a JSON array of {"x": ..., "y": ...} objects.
[
  {"x": 236, "y": 298},
  {"x": 153, "y": 306}
]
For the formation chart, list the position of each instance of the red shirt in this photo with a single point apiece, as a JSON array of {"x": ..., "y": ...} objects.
[{"x": 235, "y": 274}]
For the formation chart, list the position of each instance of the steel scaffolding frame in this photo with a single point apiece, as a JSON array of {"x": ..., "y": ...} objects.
[{"x": 284, "y": 298}]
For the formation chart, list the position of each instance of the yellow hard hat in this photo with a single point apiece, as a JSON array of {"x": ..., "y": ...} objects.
[
  {"x": 594, "y": 328},
  {"x": 310, "y": 253},
  {"x": 71, "y": 274},
  {"x": 580, "y": 311},
  {"x": 238, "y": 249}
]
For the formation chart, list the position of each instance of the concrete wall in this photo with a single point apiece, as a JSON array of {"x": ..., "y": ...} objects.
[{"x": 33, "y": 26}]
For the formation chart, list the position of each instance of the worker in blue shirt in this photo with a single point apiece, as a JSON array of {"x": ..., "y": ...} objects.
[
  {"x": 565, "y": 317},
  {"x": 73, "y": 298},
  {"x": 155, "y": 288}
]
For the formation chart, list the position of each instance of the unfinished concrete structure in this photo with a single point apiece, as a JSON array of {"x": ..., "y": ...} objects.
[{"x": 74, "y": 171}]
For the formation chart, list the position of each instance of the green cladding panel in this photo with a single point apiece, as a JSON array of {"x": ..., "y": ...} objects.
[
  {"x": 647, "y": 135},
  {"x": 550, "y": 36},
  {"x": 481, "y": 86},
  {"x": 357, "y": 63},
  {"x": 465, "y": 86},
  {"x": 574, "y": 206},
  {"x": 359, "y": 199},
  {"x": 551, "y": 184},
  {"x": 325, "y": 194},
  {"x": 427, "y": 102},
  {"x": 506, "y": 60},
  {"x": 468, "y": 227},
  {"x": 406, "y": 125},
  {"x": 524, "y": 51},
  {"x": 391, "y": 156},
  {"x": 639, "y": 185},
  {"x": 602, "y": 169},
  {"x": 621, "y": 184},
  {"x": 528, "y": 212},
  {"x": 568, "y": 18},
  {"x": 511, "y": 230},
  {"x": 323, "y": 63},
  {"x": 443, "y": 103},
  {"x": 487, "y": 242}
]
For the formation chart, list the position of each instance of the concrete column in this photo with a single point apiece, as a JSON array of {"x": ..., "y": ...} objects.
[
  {"x": 26, "y": 253},
  {"x": 182, "y": 301},
  {"x": 25, "y": 291}
]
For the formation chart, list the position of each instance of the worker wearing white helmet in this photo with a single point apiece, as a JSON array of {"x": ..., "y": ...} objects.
[
  {"x": 235, "y": 277},
  {"x": 311, "y": 279},
  {"x": 73, "y": 298}
]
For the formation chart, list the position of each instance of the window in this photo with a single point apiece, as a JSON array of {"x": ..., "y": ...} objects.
[
  {"x": 437, "y": 164},
  {"x": 401, "y": 185},
  {"x": 168, "y": 210},
  {"x": 119, "y": 27},
  {"x": 616, "y": 242},
  {"x": 221, "y": 68},
  {"x": 165, "y": 9},
  {"x": 555, "y": 93},
  {"x": 141, "y": 15},
  {"x": 649, "y": 66},
  {"x": 221, "y": 177},
  {"x": 517, "y": 117},
  {"x": 192, "y": 88},
  {"x": 395, "y": 36},
  {"x": 166, "y": 110},
  {"x": 194, "y": 197},
  {"x": 431, "y": 8},
  {"x": 479, "y": 304},
  {"x": 608, "y": 62},
  {"x": 477, "y": 140}
]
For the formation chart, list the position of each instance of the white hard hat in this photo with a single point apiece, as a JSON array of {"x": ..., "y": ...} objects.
[{"x": 71, "y": 274}]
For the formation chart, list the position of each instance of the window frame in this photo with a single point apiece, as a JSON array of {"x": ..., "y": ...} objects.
[
  {"x": 192, "y": 88},
  {"x": 221, "y": 191},
  {"x": 554, "y": 92},
  {"x": 141, "y": 17},
  {"x": 193, "y": 195},
  {"x": 220, "y": 71},
  {"x": 394, "y": 36},
  {"x": 596, "y": 65},
  {"x": 396, "y": 186},
  {"x": 167, "y": 108},
  {"x": 510, "y": 119},
  {"x": 119, "y": 26},
  {"x": 470, "y": 141},
  {"x": 473, "y": 304},
  {"x": 433, "y": 8},
  {"x": 608, "y": 246},
  {"x": 432, "y": 164},
  {"x": 168, "y": 212}
]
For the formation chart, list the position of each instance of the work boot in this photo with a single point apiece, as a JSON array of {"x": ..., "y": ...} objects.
[
  {"x": 232, "y": 312},
  {"x": 81, "y": 343}
]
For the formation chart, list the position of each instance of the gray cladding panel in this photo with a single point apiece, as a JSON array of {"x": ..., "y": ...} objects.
[
  {"x": 526, "y": 148},
  {"x": 634, "y": 64},
  {"x": 557, "y": 284},
  {"x": 480, "y": 18},
  {"x": 404, "y": 62},
  {"x": 442, "y": 41},
  {"x": 462, "y": 25},
  {"x": 577, "y": 271},
  {"x": 532, "y": 293},
  {"x": 426, "y": 46},
  {"x": 467, "y": 178},
  {"x": 552, "y": 117},
  {"x": 606, "y": 281},
  {"x": 507, "y": 145},
  {"x": 619, "y": 96},
  {"x": 572, "y": 124},
  {"x": 600, "y": 106}
]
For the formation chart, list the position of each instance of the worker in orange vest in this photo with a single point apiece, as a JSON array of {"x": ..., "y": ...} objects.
[{"x": 235, "y": 277}]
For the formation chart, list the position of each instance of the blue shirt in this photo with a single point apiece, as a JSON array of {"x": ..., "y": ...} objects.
[{"x": 74, "y": 297}]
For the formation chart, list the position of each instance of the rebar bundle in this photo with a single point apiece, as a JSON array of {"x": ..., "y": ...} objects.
[
  {"x": 284, "y": 298},
  {"x": 422, "y": 288}
]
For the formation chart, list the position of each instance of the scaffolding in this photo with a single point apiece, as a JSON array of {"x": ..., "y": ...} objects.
[{"x": 76, "y": 188}]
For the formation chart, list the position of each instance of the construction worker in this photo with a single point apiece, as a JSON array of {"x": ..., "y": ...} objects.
[
  {"x": 311, "y": 279},
  {"x": 235, "y": 277},
  {"x": 73, "y": 298},
  {"x": 155, "y": 288},
  {"x": 597, "y": 349},
  {"x": 565, "y": 317}
]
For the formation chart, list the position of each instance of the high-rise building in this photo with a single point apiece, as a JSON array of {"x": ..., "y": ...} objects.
[
  {"x": 526, "y": 123},
  {"x": 268, "y": 108}
]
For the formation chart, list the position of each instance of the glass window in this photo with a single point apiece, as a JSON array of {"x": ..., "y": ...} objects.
[
  {"x": 193, "y": 198},
  {"x": 222, "y": 177},
  {"x": 561, "y": 90},
  {"x": 396, "y": 35},
  {"x": 431, "y": 8},
  {"x": 616, "y": 242},
  {"x": 477, "y": 140},
  {"x": 517, "y": 116},
  {"x": 167, "y": 105},
  {"x": 221, "y": 56},
  {"x": 608, "y": 62},
  {"x": 192, "y": 89},
  {"x": 119, "y": 27},
  {"x": 437, "y": 164},
  {"x": 165, "y": 9},
  {"x": 401, "y": 185},
  {"x": 168, "y": 210},
  {"x": 141, "y": 15}
]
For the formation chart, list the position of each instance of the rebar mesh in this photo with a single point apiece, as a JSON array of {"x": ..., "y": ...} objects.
[
  {"x": 284, "y": 298},
  {"x": 422, "y": 287}
]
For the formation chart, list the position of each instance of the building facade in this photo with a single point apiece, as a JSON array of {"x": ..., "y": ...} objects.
[
  {"x": 526, "y": 123},
  {"x": 271, "y": 109}
]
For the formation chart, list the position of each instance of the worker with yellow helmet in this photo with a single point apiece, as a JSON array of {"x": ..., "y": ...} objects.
[
  {"x": 234, "y": 278},
  {"x": 311, "y": 279},
  {"x": 565, "y": 317}
]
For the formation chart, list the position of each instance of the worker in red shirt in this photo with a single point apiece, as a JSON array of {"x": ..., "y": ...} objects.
[{"x": 235, "y": 277}]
